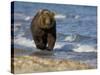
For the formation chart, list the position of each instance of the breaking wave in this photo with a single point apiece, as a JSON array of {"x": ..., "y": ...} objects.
[
  {"x": 60, "y": 16},
  {"x": 76, "y": 43}
]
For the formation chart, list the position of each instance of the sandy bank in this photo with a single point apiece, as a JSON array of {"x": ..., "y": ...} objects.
[{"x": 34, "y": 63}]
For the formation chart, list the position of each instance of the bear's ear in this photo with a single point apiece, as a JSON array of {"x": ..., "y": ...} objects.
[
  {"x": 40, "y": 12},
  {"x": 52, "y": 14}
]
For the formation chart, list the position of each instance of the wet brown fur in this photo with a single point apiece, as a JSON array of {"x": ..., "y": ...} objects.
[{"x": 43, "y": 28}]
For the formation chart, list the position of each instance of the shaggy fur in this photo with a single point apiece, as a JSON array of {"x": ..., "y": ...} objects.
[{"x": 43, "y": 28}]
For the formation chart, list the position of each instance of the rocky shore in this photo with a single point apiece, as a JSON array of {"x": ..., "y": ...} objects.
[{"x": 35, "y": 63}]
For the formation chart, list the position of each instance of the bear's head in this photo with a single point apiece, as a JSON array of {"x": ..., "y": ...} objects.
[{"x": 45, "y": 19}]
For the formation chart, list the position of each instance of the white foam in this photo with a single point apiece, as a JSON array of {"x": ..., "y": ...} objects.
[
  {"x": 70, "y": 38},
  {"x": 85, "y": 48},
  {"x": 19, "y": 14},
  {"x": 23, "y": 16},
  {"x": 60, "y": 16},
  {"x": 20, "y": 35},
  {"x": 17, "y": 24},
  {"x": 22, "y": 41},
  {"x": 27, "y": 18},
  {"x": 59, "y": 45},
  {"x": 77, "y": 17}
]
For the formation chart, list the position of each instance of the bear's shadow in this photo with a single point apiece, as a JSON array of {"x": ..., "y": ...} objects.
[{"x": 41, "y": 53}]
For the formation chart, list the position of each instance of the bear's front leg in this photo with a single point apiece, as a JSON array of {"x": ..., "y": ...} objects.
[
  {"x": 51, "y": 41},
  {"x": 39, "y": 43}
]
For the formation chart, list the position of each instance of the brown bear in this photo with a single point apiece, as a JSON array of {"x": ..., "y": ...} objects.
[{"x": 43, "y": 28}]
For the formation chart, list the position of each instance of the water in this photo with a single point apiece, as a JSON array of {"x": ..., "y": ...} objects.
[{"x": 76, "y": 29}]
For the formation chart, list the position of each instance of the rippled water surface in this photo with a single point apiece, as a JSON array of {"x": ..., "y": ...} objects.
[{"x": 76, "y": 30}]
